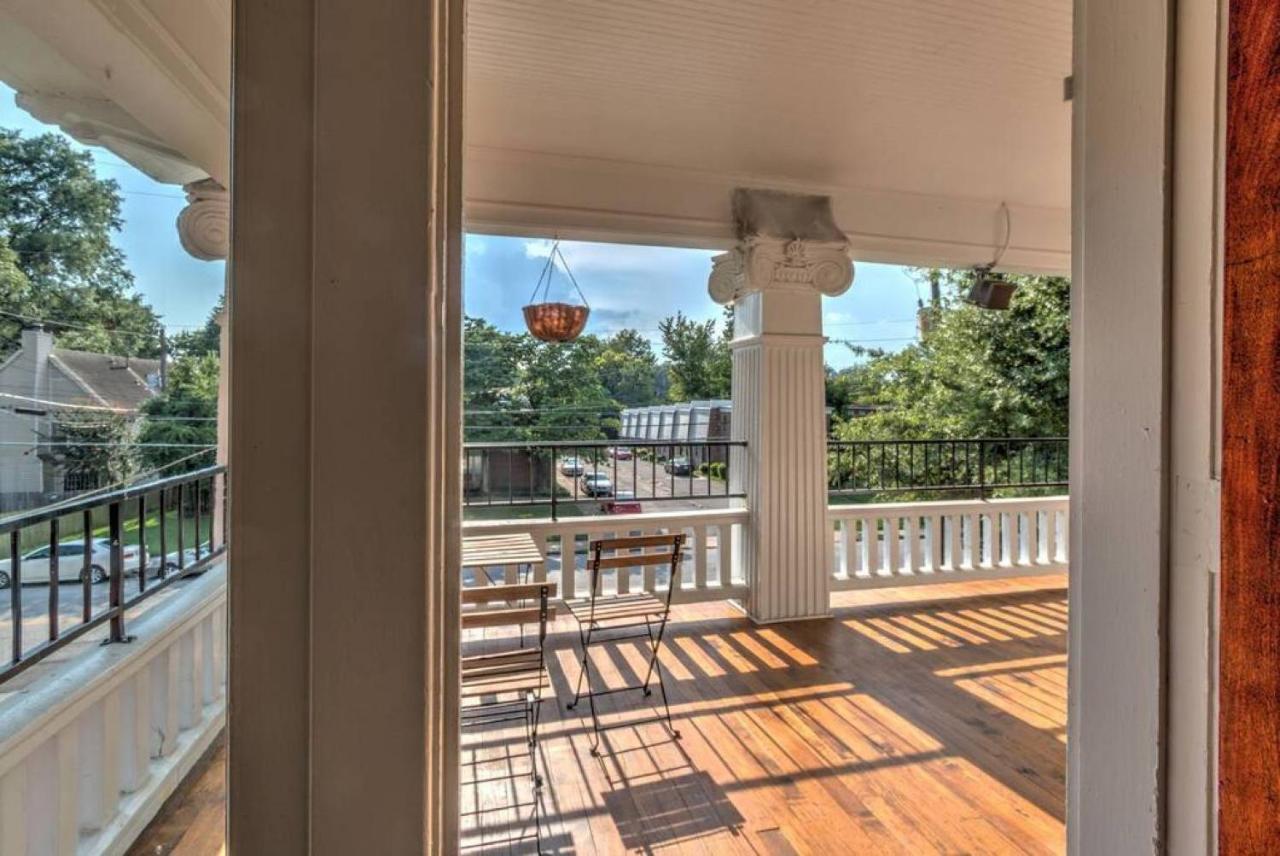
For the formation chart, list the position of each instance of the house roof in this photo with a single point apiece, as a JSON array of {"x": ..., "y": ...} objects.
[{"x": 115, "y": 381}]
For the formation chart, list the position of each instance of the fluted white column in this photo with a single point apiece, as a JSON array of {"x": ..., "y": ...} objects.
[{"x": 776, "y": 288}]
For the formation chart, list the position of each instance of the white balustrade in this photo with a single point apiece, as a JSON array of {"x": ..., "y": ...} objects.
[
  {"x": 94, "y": 746},
  {"x": 907, "y": 543},
  {"x": 709, "y": 571}
]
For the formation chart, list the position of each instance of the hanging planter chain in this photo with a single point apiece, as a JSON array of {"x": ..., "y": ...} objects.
[
  {"x": 548, "y": 271},
  {"x": 550, "y": 321}
]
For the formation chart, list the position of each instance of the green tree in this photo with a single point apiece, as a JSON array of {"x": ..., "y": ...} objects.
[
  {"x": 568, "y": 400},
  {"x": 976, "y": 373},
  {"x": 183, "y": 416},
  {"x": 57, "y": 218},
  {"x": 202, "y": 340},
  {"x": 494, "y": 403},
  {"x": 92, "y": 443},
  {"x": 628, "y": 369},
  {"x": 699, "y": 362}
]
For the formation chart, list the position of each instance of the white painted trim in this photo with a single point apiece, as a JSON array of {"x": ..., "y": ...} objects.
[
  {"x": 1195, "y": 439},
  {"x": 1120, "y": 423},
  {"x": 523, "y": 193}
]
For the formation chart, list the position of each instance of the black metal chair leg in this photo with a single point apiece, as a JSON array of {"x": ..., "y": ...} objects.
[
  {"x": 662, "y": 688},
  {"x": 584, "y": 640}
]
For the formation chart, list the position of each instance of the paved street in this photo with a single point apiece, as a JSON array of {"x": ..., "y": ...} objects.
[
  {"x": 35, "y": 620},
  {"x": 646, "y": 480}
]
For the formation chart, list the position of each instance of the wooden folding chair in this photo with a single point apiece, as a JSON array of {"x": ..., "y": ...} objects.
[
  {"x": 608, "y": 618},
  {"x": 508, "y": 685}
]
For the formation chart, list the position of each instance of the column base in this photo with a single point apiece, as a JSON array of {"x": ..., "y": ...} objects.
[{"x": 762, "y": 622}]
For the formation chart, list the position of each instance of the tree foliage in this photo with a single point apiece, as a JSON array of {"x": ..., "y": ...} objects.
[
  {"x": 975, "y": 373},
  {"x": 92, "y": 444},
  {"x": 202, "y": 340},
  {"x": 57, "y": 255},
  {"x": 517, "y": 388},
  {"x": 699, "y": 361},
  {"x": 182, "y": 417}
]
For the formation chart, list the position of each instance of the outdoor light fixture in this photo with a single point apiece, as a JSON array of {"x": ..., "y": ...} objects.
[{"x": 991, "y": 290}]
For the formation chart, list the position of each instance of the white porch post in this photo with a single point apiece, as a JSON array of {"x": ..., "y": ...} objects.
[
  {"x": 776, "y": 286},
  {"x": 204, "y": 228}
]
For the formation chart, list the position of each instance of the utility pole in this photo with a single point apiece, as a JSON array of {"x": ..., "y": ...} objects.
[{"x": 164, "y": 359}]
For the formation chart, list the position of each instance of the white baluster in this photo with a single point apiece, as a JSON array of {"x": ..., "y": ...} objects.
[
  {"x": 111, "y": 752},
  {"x": 67, "y": 776},
  {"x": 135, "y": 712},
  {"x": 995, "y": 540},
  {"x": 568, "y": 566},
  {"x": 700, "y": 557},
  {"x": 219, "y": 651},
  {"x": 914, "y": 563},
  {"x": 870, "y": 546},
  {"x": 846, "y": 554},
  {"x": 13, "y": 810},
  {"x": 188, "y": 682},
  {"x": 976, "y": 550},
  {"x": 207, "y": 693},
  {"x": 164, "y": 700},
  {"x": 893, "y": 540},
  {"x": 955, "y": 531},
  {"x": 650, "y": 574},
  {"x": 726, "y": 532},
  {"x": 935, "y": 543}
]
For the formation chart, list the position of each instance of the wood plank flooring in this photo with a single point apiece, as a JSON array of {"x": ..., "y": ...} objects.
[{"x": 923, "y": 720}]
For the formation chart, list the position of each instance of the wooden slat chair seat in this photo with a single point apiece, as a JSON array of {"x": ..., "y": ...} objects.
[
  {"x": 628, "y": 607},
  {"x": 510, "y": 677},
  {"x": 599, "y": 614}
]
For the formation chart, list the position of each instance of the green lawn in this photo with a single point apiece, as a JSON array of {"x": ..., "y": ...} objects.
[{"x": 129, "y": 534}]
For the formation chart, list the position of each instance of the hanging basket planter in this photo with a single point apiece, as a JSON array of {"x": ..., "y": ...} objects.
[
  {"x": 556, "y": 322},
  {"x": 551, "y": 321},
  {"x": 990, "y": 291}
]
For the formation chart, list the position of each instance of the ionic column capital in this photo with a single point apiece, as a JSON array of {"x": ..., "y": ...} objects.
[
  {"x": 774, "y": 264},
  {"x": 204, "y": 226}
]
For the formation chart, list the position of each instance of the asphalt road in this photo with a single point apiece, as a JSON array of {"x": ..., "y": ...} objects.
[
  {"x": 645, "y": 481},
  {"x": 35, "y": 611}
]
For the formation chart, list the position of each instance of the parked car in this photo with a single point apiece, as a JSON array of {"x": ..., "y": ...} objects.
[
  {"x": 572, "y": 467},
  {"x": 678, "y": 466},
  {"x": 596, "y": 484},
  {"x": 620, "y": 453},
  {"x": 157, "y": 568},
  {"x": 623, "y": 502},
  {"x": 35, "y": 563}
]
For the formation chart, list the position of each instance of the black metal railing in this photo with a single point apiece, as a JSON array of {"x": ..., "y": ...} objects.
[
  {"x": 112, "y": 544},
  {"x": 613, "y": 474},
  {"x": 977, "y": 466}
]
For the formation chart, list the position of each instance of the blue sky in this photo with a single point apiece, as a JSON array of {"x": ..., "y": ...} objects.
[
  {"x": 636, "y": 286},
  {"x": 180, "y": 288},
  {"x": 626, "y": 285}
]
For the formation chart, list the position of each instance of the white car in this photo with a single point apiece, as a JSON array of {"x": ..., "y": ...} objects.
[
  {"x": 156, "y": 568},
  {"x": 572, "y": 467},
  {"x": 35, "y": 563}
]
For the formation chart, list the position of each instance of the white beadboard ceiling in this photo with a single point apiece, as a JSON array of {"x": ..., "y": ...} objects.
[{"x": 951, "y": 98}]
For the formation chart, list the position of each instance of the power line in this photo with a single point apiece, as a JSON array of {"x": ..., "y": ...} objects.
[{"x": 77, "y": 445}]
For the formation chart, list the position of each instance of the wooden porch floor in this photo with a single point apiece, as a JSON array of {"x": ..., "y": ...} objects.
[{"x": 925, "y": 720}]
